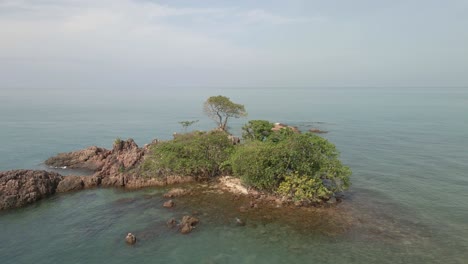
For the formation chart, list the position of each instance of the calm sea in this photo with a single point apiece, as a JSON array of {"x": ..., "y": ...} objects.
[{"x": 407, "y": 147}]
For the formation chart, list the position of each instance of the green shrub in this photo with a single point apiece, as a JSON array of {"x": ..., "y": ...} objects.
[
  {"x": 257, "y": 130},
  {"x": 195, "y": 154},
  {"x": 265, "y": 165},
  {"x": 258, "y": 164},
  {"x": 301, "y": 187}
]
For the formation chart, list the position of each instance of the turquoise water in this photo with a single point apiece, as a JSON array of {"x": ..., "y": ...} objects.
[{"x": 407, "y": 149}]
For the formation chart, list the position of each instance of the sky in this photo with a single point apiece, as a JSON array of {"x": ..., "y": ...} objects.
[{"x": 243, "y": 43}]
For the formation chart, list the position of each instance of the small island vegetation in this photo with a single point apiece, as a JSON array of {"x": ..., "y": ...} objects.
[{"x": 285, "y": 162}]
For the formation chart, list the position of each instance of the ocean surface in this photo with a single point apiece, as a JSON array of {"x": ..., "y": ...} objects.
[{"x": 407, "y": 148}]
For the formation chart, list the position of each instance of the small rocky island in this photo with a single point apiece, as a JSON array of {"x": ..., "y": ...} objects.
[{"x": 273, "y": 163}]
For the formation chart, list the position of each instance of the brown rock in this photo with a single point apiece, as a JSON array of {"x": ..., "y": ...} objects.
[
  {"x": 130, "y": 239},
  {"x": 186, "y": 228},
  {"x": 169, "y": 204},
  {"x": 188, "y": 223},
  {"x": 22, "y": 187}
]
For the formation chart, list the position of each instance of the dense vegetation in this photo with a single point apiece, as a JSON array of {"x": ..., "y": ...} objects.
[
  {"x": 302, "y": 166},
  {"x": 199, "y": 154},
  {"x": 299, "y": 166}
]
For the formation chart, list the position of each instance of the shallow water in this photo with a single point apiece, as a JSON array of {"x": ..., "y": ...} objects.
[{"x": 406, "y": 147}]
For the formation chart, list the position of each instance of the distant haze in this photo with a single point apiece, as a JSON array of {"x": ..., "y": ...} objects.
[{"x": 138, "y": 43}]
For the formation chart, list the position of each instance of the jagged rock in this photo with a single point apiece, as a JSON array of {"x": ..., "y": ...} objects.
[
  {"x": 109, "y": 165},
  {"x": 91, "y": 158},
  {"x": 124, "y": 155},
  {"x": 21, "y": 187},
  {"x": 169, "y": 204},
  {"x": 130, "y": 239}
]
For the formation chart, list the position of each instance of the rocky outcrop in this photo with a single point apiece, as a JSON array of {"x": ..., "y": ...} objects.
[
  {"x": 22, "y": 187},
  {"x": 123, "y": 156},
  {"x": 91, "y": 158},
  {"x": 111, "y": 167}
]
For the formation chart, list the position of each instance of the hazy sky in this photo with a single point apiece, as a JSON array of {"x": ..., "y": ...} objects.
[{"x": 143, "y": 43}]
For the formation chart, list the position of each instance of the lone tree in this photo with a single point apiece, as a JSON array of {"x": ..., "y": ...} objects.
[{"x": 221, "y": 108}]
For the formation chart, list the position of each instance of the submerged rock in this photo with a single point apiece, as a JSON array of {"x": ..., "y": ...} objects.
[
  {"x": 22, "y": 187},
  {"x": 176, "y": 192},
  {"x": 171, "y": 223},
  {"x": 169, "y": 204},
  {"x": 240, "y": 222},
  {"x": 130, "y": 239},
  {"x": 317, "y": 131}
]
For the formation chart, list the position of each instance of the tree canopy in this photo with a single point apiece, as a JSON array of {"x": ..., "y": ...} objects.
[{"x": 221, "y": 108}]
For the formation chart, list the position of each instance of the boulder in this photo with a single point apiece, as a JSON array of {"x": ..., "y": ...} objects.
[
  {"x": 186, "y": 229},
  {"x": 171, "y": 223},
  {"x": 188, "y": 223},
  {"x": 22, "y": 187},
  {"x": 130, "y": 239}
]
